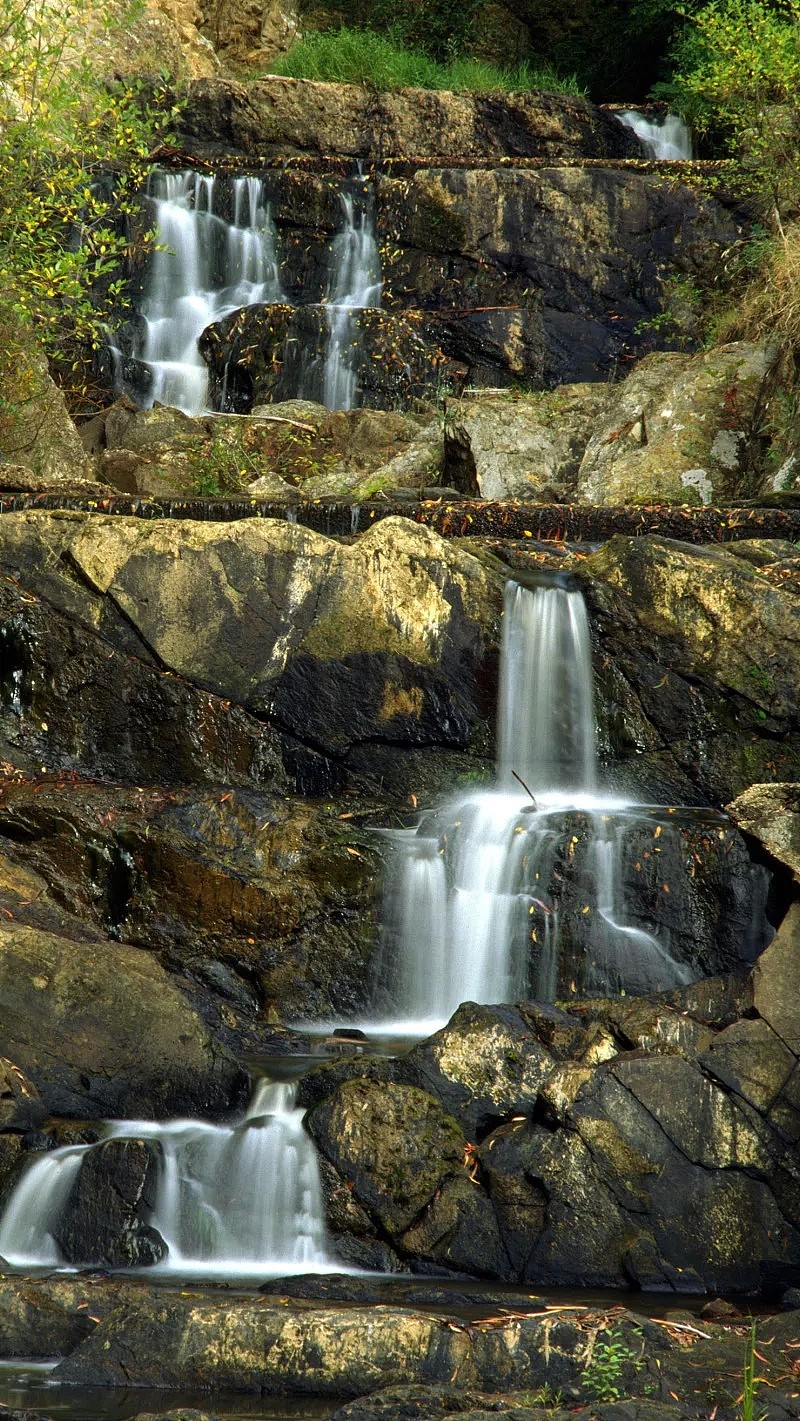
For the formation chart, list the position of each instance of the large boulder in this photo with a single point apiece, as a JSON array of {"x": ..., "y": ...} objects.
[
  {"x": 103, "y": 1219},
  {"x": 625, "y": 1143},
  {"x": 522, "y": 446},
  {"x": 39, "y": 444},
  {"x": 276, "y": 353},
  {"x": 101, "y": 1031},
  {"x": 682, "y": 430},
  {"x": 384, "y": 643},
  {"x": 678, "y": 429},
  {"x": 394, "y": 1143}
]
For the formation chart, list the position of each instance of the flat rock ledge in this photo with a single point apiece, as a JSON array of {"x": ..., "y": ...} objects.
[{"x": 409, "y": 1362}]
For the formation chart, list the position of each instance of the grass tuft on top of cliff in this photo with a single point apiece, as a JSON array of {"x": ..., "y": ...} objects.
[{"x": 359, "y": 56}]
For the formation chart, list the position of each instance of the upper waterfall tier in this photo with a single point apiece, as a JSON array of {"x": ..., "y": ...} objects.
[
  {"x": 216, "y": 253},
  {"x": 666, "y": 137},
  {"x": 205, "y": 264}
]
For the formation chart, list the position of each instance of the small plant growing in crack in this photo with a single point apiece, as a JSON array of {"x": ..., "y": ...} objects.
[{"x": 605, "y": 1363}]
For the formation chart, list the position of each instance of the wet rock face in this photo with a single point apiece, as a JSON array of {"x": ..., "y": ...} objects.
[
  {"x": 102, "y": 1220},
  {"x": 491, "y": 276},
  {"x": 259, "y": 905},
  {"x": 647, "y": 1142},
  {"x": 271, "y": 354},
  {"x": 709, "y": 640}
]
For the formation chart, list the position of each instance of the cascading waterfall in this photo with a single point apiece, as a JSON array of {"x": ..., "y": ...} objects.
[
  {"x": 355, "y": 286},
  {"x": 510, "y": 893},
  {"x": 665, "y": 138},
  {"x": 217, "y": 251},
  {"x": 546, "y": 728},
  {"x": 240, "y": 1199},
  {"x": 205, "y": 265}
]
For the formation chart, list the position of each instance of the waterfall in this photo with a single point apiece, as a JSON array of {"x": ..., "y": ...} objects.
[
  {"x": 239, "y": 1199},
  {"x": 354, "y": 286},
  {"x": 664, "y": 137},
  {"x": 205, "y": 265},
  {"x": 216, "y": 252},
  {"x": 546, "y": 726},
  {"x": 489, "y": 893}
]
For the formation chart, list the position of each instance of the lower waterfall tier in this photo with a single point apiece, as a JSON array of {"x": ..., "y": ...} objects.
[{"x": 186, "y": 1196}]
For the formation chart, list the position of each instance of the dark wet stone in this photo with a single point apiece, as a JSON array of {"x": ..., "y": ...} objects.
[{"x": 103, "y": 1220}]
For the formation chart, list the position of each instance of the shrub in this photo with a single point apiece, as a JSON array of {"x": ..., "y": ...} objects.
[
  {"x": 736, "y": 78},
  {"x": 73, "y": 154}
]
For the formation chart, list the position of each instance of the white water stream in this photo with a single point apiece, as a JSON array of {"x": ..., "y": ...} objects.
[
  {"x": 665, "y": 137},
  {"x": 216, "y": 252},
  {"x": 205, "y": 266},
  {"x": 473, "y": 897},
  {"x": 355, "y": 286},
  {"x": 231, "y": 1200}
]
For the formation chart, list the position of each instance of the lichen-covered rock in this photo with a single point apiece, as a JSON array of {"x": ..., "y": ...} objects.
[
  {"x": 485, "y": 1065},
  {"x": 457, "y": 1228},
  {"x": 281, "y": 451},
  {"x": 293, "y": 116},
  {"x": 100, "y": 1030},
  {"x": 771, "y": 814},
  {"x": 522, "y": 446},
  {"x": 36, "y": 432},
  {"x": 776, "y": 982},
  {"x": 395, "y": 1144},
  {"x": 48, "y": 1317},
  {"x": 681, "y": 429},
  {"x": 337, "y": 646},
  {"x": 711, "y": 644}
]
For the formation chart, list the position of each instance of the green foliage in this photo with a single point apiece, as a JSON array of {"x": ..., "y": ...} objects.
[
  {"x": 617, "y": 47},
  {"x": 750, "y": 1381},
  {"x": 360, "y": 56},
  {"x": 736, "y": 79},
  {"x": 73, "y": 153},
  {"x": 439, "y": 28},
  {"x": 606, "y": 1363},
  {"x": 223, "y": 468}
]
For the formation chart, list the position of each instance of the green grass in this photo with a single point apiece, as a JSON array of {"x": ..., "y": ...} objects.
[{"x": 355, "y": 56}]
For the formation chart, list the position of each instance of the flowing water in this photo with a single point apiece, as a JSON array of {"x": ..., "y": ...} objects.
[
  {"x": 525, "y": 890},
  {"x": 205, "y": 265},
  {"x": 542, "y": 885},
  {"x": 216, "y": 252},
  {"x": 231, "y": 1200},
  {"x": 664, "y": 137},
  {"x": 355, "y": 286}
]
